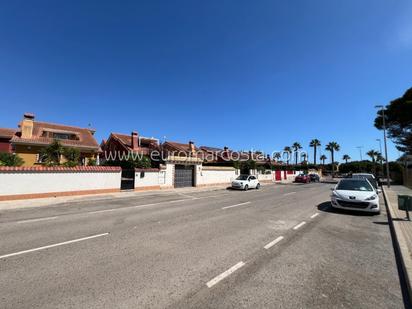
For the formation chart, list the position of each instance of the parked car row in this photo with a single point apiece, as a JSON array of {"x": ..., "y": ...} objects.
[{"x": 306, "y": 178}]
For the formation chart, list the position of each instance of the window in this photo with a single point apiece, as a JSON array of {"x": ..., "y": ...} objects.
[
  {"x": 60, "y": 135},
  {"x": 242, "y": 177}
]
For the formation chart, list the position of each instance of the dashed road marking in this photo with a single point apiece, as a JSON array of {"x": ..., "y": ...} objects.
[
  {"x": 272, "y": 243},
  {"x": 236, "y": 205},
  {"x": 36, "y": 220},
  {"x": 314, "y": 215},
  {"x": 299, "y": 225},
  {"x": 189, "y": 196},
  {"x": 52, "y": 246},
  {"x": 290, "y": 193},
  {"x": 224, "y": 274},
  {"x": 116, "y": 209}
]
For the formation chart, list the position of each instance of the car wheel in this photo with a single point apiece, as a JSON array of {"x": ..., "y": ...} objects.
[
  {"x": 246, "y": 187},
  {"x": 258, "y": 186}
]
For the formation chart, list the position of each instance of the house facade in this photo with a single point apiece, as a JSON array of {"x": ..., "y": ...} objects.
[
  {"x": 33, "y": 136},
  {"x": 5, "y": 139},
  {"x": 183, "y": 161}
]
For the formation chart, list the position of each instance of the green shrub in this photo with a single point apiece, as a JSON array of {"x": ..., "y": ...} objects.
[{"x": 10, "y": 159}]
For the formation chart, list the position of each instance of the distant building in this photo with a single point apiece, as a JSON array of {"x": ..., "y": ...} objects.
[{"x": 123, "y": 144}]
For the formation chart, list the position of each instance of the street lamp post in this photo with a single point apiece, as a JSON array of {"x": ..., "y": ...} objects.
[
  {"x": 380, "y": 149},
  {"x": 384, "y": 141},
  {"x": 360, "y": 151}
]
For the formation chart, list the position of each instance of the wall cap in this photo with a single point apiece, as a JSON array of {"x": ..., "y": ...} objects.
[
  {"x": 147, "y": 170},
  {"x": 59, "y": 169}
]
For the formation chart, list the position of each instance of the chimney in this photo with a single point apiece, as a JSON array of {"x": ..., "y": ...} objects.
[
  {"x": 192, "y": 147},
  {"x": 27, "y": 125},
  {"x": 135, "y": 140}
]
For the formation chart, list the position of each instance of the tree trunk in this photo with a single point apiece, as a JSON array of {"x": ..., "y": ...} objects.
[
  {"x": 314, "y": 155},
  {"x": 333, "y": 164}
]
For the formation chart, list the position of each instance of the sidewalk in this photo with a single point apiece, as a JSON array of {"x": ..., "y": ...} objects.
[{"x": 401, "y": 228}]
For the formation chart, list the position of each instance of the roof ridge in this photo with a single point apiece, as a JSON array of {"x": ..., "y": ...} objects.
[{"x": 63, "y": 125}]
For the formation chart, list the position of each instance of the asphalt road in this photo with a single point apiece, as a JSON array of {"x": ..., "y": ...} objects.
[{"x": 278, "y": 247}]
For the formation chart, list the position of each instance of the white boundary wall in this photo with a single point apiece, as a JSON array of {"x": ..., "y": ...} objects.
[
  {"x": 19, "y": 181},
  {"x": 148, "y": 179},
  {"x": 211, "y": 175}
]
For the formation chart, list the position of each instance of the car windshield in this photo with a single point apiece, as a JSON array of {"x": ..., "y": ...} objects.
[
  {"x": 354, "y": 185},
  {"x": 242, "y": 177},
  {"x": 371, "y": 179}
]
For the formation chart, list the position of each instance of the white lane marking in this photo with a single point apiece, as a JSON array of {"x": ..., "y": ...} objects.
[
  {"x": 217, "y": 195},
  {"x": 314, "y": 215},
  {"x": 129, "y": 207},
  {"x": 99, "y": 211},
  {"x": 224, "y": 274},
  {"x": 272, "y": 243},
  {"x": 116, "y": 209},
  {"x": 36, "y": 220},
  {"x": 236, "y": 205},
  {"x": 189, "y": 196},
  {"x": 52, "y": 246},
  {"x": 299, "y": 225},
  {"x": 289, "y": 193}
]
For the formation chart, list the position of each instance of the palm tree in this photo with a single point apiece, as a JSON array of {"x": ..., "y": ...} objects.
[
  {"x": 314, "y": 143},
  {"x": 346, "y": 158},
  {"x": 323, "y": 158},
  {"x": 373, "y": 154},
  {"x": 10, "y": 159},
  {"x": 277, "y": 156},
  {"x": 380, "y": 158},
  {"x": 332, "y": 147},
  {"x": 296, "y": 147},
  {"x": 288, "y": 150},
  {"x": 52, "y": 154},
  {"x": 304, "y": 157}
]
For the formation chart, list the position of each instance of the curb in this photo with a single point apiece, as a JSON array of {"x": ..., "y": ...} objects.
[{"x": 400, "y": 250}]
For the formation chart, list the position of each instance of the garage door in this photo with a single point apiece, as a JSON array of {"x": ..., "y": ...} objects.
[{"x": 184, "y": 176}]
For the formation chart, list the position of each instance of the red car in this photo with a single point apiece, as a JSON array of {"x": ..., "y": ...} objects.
[{"x": 302, "y": 178}]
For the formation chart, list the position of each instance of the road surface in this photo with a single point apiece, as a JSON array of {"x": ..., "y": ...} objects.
[{"x": 278, "y": 247}]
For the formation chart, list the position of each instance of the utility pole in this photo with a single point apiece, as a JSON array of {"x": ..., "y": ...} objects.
[
  {"x": 380, "y": 150},
  {"x": 384, "y": 141},
  {"x": 360, "y": 151}
]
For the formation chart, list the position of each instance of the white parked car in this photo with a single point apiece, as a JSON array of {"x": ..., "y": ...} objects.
[
  {"x": 370, "y": 177},
  {"x": 355, "y": 194},
  {"x": 245, "y": 182}
]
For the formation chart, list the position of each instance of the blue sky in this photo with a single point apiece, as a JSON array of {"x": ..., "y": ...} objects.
[{"x": 246, "y": 74}]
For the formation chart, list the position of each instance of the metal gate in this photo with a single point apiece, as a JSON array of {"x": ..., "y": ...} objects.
[
  {"x": 184, "y": 176},
  {"x": 127, "y": 182}
]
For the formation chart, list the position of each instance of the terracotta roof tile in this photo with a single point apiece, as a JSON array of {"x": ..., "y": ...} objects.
[
  {"x": 126, "y": 140},
  {"x": 86, "y": 138},
  {"x": 7, "y": 133},
  {"x": 179, "y": 146}
]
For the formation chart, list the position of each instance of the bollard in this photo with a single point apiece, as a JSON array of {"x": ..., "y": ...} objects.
[{"x": 405, "y": 203}]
